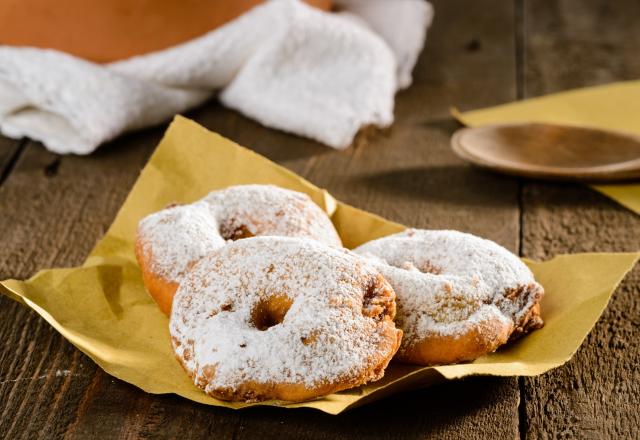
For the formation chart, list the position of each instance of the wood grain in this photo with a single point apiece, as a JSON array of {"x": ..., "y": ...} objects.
[
  {"x": 54, "y": 209},
  {"x": 597, "y": 394},
  {"x": 10, "y": 150}
]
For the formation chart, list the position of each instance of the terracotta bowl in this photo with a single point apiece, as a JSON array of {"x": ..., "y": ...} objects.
[{"x": 109, "y": 30}]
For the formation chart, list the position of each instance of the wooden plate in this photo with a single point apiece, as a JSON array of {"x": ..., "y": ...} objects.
[{"x": 549, "y": 151}]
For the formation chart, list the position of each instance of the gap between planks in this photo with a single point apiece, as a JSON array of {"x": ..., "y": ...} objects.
[
  {"x": 519, "y": 44},
  {"x": 11, "y": 159}
]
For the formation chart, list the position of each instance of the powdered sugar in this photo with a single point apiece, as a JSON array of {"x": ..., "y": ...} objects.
[
  {"x": 323, "y": 338},
  {"x": 176, "y": 237},
  {"x": 447, "y": 282}
]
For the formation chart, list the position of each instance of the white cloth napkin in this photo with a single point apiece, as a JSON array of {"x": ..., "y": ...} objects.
[{"x": 285, "y": 64}]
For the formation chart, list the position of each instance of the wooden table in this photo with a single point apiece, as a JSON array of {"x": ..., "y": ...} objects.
[{"x": 478, "y": 54}]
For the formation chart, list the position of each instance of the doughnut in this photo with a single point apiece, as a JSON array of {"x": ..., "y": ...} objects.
[
  {"x": 283, "y": 318},
  {"x": 458, "y": 296},
  {"x": 170, "y": 241}
]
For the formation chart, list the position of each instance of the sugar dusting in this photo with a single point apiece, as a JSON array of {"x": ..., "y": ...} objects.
[
  {"x": 474, "y": 281},
  {"x": 177, "y": 237},
  {"x": 324, "y": 336}
]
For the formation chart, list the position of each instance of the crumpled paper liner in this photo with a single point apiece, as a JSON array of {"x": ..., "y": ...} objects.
[
  {"x": 614, "y": 107},
  {"x": 103, "y": 309}
]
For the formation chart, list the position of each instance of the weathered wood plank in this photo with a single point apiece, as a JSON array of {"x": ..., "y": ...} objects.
[
  {"x": 406, "y": 173},
  {"x": 597, "y": 394},
  {"x": 9, "y": 152},
  {"x": 54, "y": 209}
]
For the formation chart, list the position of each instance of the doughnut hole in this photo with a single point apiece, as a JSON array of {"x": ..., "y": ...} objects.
[
  {"x": 270, "y": 311},
  {"x": 378, "y": 301},
  {"x": 235, "y": 232}
]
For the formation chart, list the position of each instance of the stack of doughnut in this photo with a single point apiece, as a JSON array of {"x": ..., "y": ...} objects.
[{"x": 265, "y": 303}]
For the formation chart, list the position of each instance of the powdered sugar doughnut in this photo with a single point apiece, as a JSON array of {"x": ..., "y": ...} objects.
[
  {"x": 459, "y": 296},
  {"x": 171, "y": 240},
  {"x": 283, "y": 318}
]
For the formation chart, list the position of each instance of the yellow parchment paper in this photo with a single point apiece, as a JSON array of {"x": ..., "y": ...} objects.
[
  {"x": 103, "y": 309},
  {"x": 613, "y": 107}
]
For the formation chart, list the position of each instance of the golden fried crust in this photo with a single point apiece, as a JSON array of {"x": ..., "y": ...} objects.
[
  {"x": 529, "y": 322},
  {"x": 455, "y": 309},
  {"x": 479, "y": 340},
  {"x": 483, "y": 338},
  {"x": 161, "y": 290},
  {"x": 252, "y": 391},
  {"x": 391, "y": 337}
]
